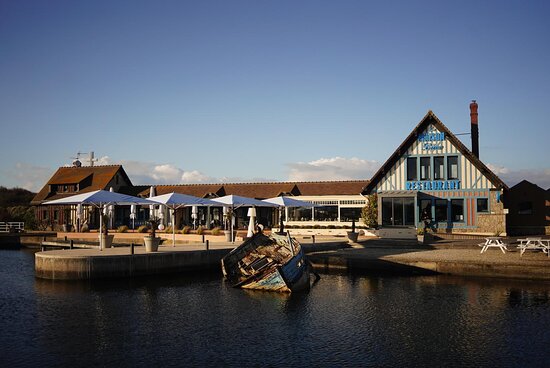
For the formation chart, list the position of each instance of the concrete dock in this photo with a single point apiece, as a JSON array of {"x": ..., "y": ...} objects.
[
  {"x": 83, "y": 264},
  {"x": 455, "y": 258}
]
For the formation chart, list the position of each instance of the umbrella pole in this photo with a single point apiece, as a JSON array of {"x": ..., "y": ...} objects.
[
  {"x": 100, "y": 228},
  {"x": 173, "y": 227},
  {"x": 282, "y": 225},
  {"x": 232, "y": 235}
]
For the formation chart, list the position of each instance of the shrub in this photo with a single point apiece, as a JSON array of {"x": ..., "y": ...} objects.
[
  {"x": 316, "y": 226},
  {"x": 122, "y": 229},
  {"x": 369, "y": 213},
  {"x": 331, "y": 227},
  {"x": 186, "y": 230},
  {"x": 142, "y": 229},
  {"x": 168, "y": 229},
  {"x": 84, "y": 228},
  {"x": 200, "y": 230},
  {"x": 216, "y": 231}
]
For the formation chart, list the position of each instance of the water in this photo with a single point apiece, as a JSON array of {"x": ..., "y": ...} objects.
[{"x": 345, "y": 320}]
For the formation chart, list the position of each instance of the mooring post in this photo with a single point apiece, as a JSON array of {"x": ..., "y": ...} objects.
[
  {"x": 71, "y": 244},
  {"x": 132, "y": 248},
  {"x": 207, "y": 244},
  {"x": 65, "y": 237},
  {"x": 203, "y": 238},
  {"x": 313, "y": 239}
]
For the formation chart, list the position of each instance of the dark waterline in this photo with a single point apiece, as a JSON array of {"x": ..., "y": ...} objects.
[{"x": 345, "y": 320}]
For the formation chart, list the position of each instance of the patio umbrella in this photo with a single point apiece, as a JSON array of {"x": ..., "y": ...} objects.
[
  {"x": 252, "y": 215},
  {"x": 283, "y": 202},
  {"x": 177, "y": 200},
  {"x": 133, "y": 211},
  {"x": 235, "y": 201},
  {"x": 101, "y": 199},
  {"x": 152, "y": 193}
]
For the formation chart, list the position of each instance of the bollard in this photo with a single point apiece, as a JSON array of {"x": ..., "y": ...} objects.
[
  {"x": 203, "y": 238},
  {"x": 65, "y": 237},
  {"x": 71, "y": 244},
  {"x": 207, "y": 244},
  {"x": 313, "y": 239},
  {"x": 132, "y": 249}
]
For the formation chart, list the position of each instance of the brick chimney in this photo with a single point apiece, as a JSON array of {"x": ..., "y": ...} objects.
[{"x": 475, "y": 128}]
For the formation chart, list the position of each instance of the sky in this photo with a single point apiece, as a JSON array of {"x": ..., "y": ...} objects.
[{"x": 231, "y": 91}]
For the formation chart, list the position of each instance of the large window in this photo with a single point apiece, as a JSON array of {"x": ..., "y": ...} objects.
[
  {"x": 299, "y": 214},
  {"x": 326, "y": 213},
  {"x": 425, "y": 169},
  {"x": 457, "y": 210},
  {"x": 482, "y": 205},
  {"x": 411, "y": 169},
  {"x": 452, "y": 167},
  {"x": 398, "y": 211},
  {"x": 439, "y": 168},
  {"x": 441, "y": 210},
  {"x": 349, "y": 214}
]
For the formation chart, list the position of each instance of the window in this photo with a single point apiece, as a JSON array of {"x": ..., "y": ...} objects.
[
  {"x": 525, "y": 208},
  {"x": 441, "y": 210},
  {"x": 482, "y": 205},
  {"x": 398, "y": 211},
  {"x": 299, "y": 214},
  {"x": 439, "y": 168},
  {"x": 45, "y": 214},
  {"x": 457, "y": 210},
  {"x": 349, "y": 214},
  {"x": 326, "y": 213},
  {"x": 425, "y": 168},
  {"x": 411, "y": 169},
  {"x": 452, "y": 167},
  {"x": 55, "y": 215}
]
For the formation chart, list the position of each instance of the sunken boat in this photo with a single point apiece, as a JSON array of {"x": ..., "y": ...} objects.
[{"x": 267, "y": 262}]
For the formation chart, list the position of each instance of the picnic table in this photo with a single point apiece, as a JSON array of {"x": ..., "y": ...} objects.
[
  {"x": 534, "y": 244},
  {"x": 495, "y": 242}
]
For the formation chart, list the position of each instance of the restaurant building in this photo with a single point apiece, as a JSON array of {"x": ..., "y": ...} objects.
[{"x": 433, "y": 176}]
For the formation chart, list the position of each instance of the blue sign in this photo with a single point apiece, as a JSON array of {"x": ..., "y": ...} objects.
[
  {"x": 432, "y": 141},
  {"x": 433, "y": 185}
]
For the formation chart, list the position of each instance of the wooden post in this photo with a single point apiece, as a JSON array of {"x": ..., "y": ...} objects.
[
  {"x": 203, "y": 238},
  {"x": 207, "y": 244},
  {"x": 313, "y": 239},
  {"x": 132, "y": 248},
  {"x": 71, "y": 244}
]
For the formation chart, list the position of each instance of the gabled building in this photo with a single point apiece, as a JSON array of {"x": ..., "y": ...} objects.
[
  {"x": 433, "y": 175},
  {"x": 529, "y": 209},
  {"x": 68, "y": 181}
]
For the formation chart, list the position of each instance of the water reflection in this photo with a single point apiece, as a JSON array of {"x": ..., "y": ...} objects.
[{"x": 344, "y": 320}]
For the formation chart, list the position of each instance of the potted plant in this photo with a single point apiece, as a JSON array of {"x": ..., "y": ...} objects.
[
  {"x": 151, "y": 241},
  {"x": 369, "y": 213},
  {"x": 106, "y": 239},
  {"x": 421, "y": 235},
  {"x": 352, "y": 235}
]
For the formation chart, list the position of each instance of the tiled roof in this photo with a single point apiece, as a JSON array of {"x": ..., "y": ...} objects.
[
  {"x": 100, "y": 176},
  {"x": 262, "y": 190}
]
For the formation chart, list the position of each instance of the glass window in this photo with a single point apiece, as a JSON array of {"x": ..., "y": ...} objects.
[
  {"x": 425, "y": 168},
  {"x": 411, "y": 169},
  {"x": 299, "y": 214},
  {"x": 398, "y": 211},
  {"x": 55, "y": 214},
  {"x": 408, "y": 206},
  {"x": 387, "y": 211},
  {"x": 439, "y": 168},
  {"x": 452, "y": 167},
  {"x": 326, "y": 213},
  {"x": 482, "y": 205},
  {"x": 457, "y": 210},
  {"x": 441, "y": 210},
  {"x": 349, "y": 214}
]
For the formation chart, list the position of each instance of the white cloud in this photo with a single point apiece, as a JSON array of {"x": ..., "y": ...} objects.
[
  {"x": 193, "y": 177},
  {"x": 336, "y": 168},
  {"x": 29, "y": 176},
  {"x": 540, "y": 177}
]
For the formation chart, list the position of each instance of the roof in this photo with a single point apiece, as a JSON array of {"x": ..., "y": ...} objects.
[
  {"x": 99, "y": 177},
  {"x": 262, "y": 190},
  {"x": 428, "y": 119}
]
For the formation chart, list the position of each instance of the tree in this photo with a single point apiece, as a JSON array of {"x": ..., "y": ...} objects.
[{"x": 369, "y": 213}]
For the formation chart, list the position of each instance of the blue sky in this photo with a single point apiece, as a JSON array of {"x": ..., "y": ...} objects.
[{"x": 194, "y": 91}]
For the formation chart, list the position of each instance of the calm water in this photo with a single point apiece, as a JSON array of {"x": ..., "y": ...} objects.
[{"x": 345, "y": 320}]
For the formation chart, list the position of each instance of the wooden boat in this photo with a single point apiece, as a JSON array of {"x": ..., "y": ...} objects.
[{"x": 267, "y": 262}]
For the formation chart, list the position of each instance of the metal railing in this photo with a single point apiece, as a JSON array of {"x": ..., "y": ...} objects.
[{"x": 6, "y": 227}]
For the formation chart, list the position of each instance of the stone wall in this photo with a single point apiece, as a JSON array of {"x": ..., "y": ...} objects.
[{"x": 495, "y": 221}]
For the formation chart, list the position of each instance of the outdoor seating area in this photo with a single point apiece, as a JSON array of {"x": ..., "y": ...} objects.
[{"x": 532, "y": 243}]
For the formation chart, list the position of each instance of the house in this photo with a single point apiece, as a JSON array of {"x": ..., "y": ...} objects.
[
  {"x": 529, "y": 209},
  {"x": 432, "y": 175}
]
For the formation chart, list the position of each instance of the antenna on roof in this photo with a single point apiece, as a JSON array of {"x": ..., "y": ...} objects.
[{"x": 91, "y": 159}]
